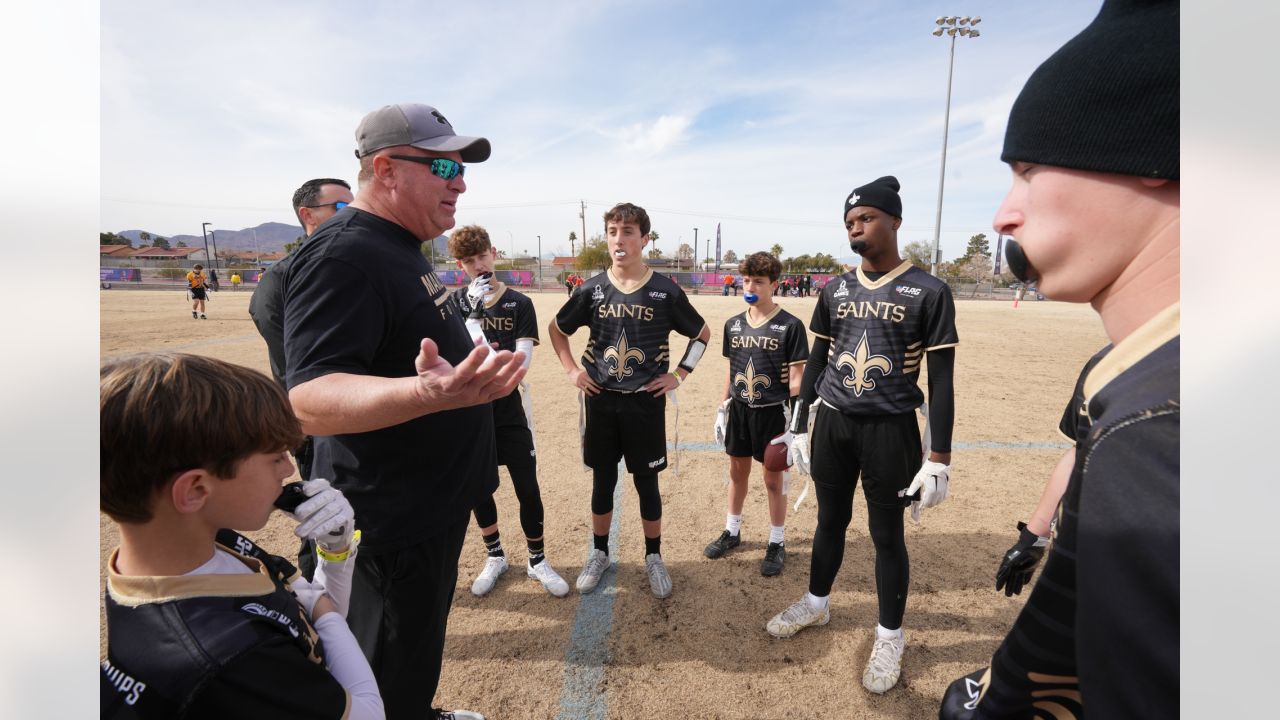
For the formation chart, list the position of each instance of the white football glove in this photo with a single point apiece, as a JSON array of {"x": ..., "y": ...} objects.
[
  {"x": 786, "y": 438},
  {"x": 932, "y": 482},
  {"x": 308, "y": 593},
  {"x": 722, "y": 422},
  {"x": 479, "y": 289},
  {"x": 325, "y": 516},
  {"x": 798, "y": 451}
]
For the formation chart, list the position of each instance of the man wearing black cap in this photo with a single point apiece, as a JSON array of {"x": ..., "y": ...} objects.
[
  {"x": 382, "y": 371},
  {"x": 1095, "y": 134},
  {"x": 873, "y": 327}
]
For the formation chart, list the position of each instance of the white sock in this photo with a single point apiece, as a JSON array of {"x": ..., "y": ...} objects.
[
  {"x": 775, "y": 533},
  {"x": 733, "y": 523},
  {"x": 885, "y": 634},
  {"x": 816, "y": 603}
]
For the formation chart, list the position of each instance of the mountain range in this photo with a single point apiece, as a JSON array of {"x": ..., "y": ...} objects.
[{"x": 265, "y": 238}]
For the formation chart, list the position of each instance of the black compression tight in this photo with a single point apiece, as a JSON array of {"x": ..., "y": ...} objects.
[
  {"x": 524, "y": 478},
  {"x": 893, "y": 569},
  {"x": 603, "y": 482}
]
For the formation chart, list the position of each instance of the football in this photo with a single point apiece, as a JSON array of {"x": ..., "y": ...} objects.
[{"x": 775, "y": 457}]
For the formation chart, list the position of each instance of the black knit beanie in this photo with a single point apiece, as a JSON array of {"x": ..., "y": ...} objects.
[
  {"x": 881, "y": 193},
  {"x": 1107, "y": 101}
]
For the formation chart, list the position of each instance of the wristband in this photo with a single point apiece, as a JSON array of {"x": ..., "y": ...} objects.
[
  {"x": 338, "y": 557},
  {"x": 676, "y": 375},
  {"x": 799, "y": 415}
]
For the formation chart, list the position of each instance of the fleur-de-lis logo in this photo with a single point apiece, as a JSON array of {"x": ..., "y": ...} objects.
[
  {"x": 853, "y": 199},
  {"x": 861, "y": 363},
  {"x": 621, "y": 354},
  {"x": 749, "y": 380}
]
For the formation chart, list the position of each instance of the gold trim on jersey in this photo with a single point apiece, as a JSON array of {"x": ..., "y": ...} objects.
[
  {"x": 860, "y": 364},
  {"x": 749, "y": 380},
  {"x": 622, "y": 287},
  {"x": 885, "y": 279},
  {"x": 824, "y": 337},
  {"x": 911, "y": 358},
  {"x": 931, "y": 348},
  {"x": 621, "y": 354},
  {"x": 498, "y": 291},
  {"x": 1142, "y": 342},
  {"x": 776, "y": 309},
  {"x": 135, "y": 590}
]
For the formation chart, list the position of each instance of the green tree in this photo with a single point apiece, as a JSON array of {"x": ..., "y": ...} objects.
[
  {"x": 573, "y": 238},
  {"x": 297, "y": 242},
  {"x": 110, "y": 238},
  {"x": 653, "y": 239},
  {"x": 181, "y": 244},
  {"x": 595, "y": 254},
  {"x": 918, "y": 251},
  {"x": 654, "y": 253},
  {"x": 144, "y": 238},
  {"x": 159, "y": 242},
  {"x": 776, "y": 251},
  {"x": 730, "y": 256},
  {"x": 978, "y": 245}
]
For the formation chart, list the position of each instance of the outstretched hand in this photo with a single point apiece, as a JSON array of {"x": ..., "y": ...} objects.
[{"x": 483, "y": 376}]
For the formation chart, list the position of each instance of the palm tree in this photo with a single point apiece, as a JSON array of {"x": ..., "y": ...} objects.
[
  {"x": 776, "y": 250},
  {"x": 653, "y": 238}
]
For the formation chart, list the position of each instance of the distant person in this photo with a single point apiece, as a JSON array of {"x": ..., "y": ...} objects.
[
  {"x": 235, "y": 282},
  {"x": 382, "y": 370},
  {"x": 767, "y": 348},
  {"x": 213, "y": 279},
  {"x": 625, "y": 375},
  {"x": 198, "y": 290},
  {"x": 568, "y": 284},
  {"x": 728, "y": 284},
  {"x": 202, "y": 623},
  {"x": 314, "y": 202},
  {"x": 1099, "y": 635}
]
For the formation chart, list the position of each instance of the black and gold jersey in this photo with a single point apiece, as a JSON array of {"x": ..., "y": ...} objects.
[
  {"x": 508, "y": 316},
  {"x": 879, "y": 331},
  {"x": 1075, "y": 422},
  {"x": 214, "y": 646},
  {"x": 630, "y": 327},
  {"x": 760, "y": 356}
]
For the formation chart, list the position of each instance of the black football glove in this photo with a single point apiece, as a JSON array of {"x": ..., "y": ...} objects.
[
  {"x": 1020, "y": 561},
  {"x": 960, "y": 702}
]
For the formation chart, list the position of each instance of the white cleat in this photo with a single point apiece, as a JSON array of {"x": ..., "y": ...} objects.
[
  {"x": 885, "y": 664},
  {"x": 493, "y": 567},
  {"x": 796, "y": 618},
  {"x": 550, "y": 579},
  {"x": 597, "y": 563},
  {"x": 659, "y": 579}
]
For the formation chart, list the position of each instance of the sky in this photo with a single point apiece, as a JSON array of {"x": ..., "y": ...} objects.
[{"x": 757, "y": 116}]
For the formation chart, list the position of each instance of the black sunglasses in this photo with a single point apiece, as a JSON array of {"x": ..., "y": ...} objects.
[
  {"x": 443, "y": 168},
  {"x": 335, "y": 205}
]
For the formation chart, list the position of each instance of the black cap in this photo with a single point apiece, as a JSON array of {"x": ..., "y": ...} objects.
[
  {"x": 881, "y": 193},
  {"x": 1108, "y": 100}
]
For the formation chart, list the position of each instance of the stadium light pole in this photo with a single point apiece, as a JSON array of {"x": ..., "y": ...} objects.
[
  {"x": 951, "y": 26},
  {"x": 205, "y": 233},
  {"x": 695, "y": 249},
  {"x": 539, "y": 262}
]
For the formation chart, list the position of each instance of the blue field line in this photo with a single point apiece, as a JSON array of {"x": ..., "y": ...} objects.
[
  {"x": 977, "y": 445},
  {"x": 582, "y": 696}
]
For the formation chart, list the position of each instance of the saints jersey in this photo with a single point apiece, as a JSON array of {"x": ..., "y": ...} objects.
[
  {"x": 760, "y": 356},
  {"x": 1075, "y": 422},
  {"x": 508, "y": 316},
  {"x": 630, "y": 327},
  {"x": 879, "y": 331}
]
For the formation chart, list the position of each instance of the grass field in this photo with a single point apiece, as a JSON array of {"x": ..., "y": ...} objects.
[{"x": 703, "y": 652}]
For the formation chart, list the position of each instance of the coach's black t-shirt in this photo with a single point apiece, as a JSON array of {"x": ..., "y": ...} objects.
[
  {"x": 760, "y": 356},
  {"x": 1099, "y": 634},
  {"x": 630, "y": 327},
  {"x": 879, "y": 331},
  {"x": 359, "y": 298}
]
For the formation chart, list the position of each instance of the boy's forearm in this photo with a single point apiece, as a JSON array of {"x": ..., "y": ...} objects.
[
  {"x": 1053, "y": 490},
  {"x": 560, "y": 344}
]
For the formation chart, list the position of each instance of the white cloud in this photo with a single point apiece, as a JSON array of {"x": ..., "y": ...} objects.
[{"x": 663, "y": 133}]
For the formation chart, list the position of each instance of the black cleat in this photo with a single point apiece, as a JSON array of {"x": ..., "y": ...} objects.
[
  {"x": 775, "y": 556},
  {"x": 723, "y": 544}
]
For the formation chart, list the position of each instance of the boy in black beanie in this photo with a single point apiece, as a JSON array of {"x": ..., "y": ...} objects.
[
  {"x": 874, "y": 327},
  {"x": 1094, "y": 136}
]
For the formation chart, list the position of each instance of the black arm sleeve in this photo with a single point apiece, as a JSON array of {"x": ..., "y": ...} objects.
[
  {"x": 813, "y": 369},
  {"x": 942, "y": 405}
]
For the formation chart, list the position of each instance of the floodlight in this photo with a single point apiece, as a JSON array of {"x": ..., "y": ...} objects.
[
  {"x": 975, "y": 20},
  {"x": 937, "y": 32},
  {"x": 964, "y": 20},
  {"x": 973, "y": 33},
  {"x": 941, "y": 19}
]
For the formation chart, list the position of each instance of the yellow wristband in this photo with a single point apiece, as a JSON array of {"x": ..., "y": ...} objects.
[
  {"x": 339, "y": 557},
  {"x": 679, "y": 381}
]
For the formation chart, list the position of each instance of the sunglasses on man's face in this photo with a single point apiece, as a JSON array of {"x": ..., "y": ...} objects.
[
  {"x": 335, "y": 205},
  {"x": 443, "y": 168}
]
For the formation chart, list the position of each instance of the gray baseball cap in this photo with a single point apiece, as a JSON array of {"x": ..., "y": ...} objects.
[{"x": 421, "y": 126}]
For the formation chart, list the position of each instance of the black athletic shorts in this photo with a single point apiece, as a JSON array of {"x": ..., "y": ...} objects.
[
  {"x": 630, "y": 425},
  {"x": 751, "y": 428},
  {"x": 197, "y": 293},
  {"x": 511, "y": 430},
  {"x": 884, "y": 449}
]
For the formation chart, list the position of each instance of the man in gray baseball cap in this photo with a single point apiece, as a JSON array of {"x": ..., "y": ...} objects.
[{"x": 382, "y": 371}]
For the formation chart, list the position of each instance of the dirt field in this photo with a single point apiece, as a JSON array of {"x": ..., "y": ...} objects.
[{"x": 703, "y": 652}]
